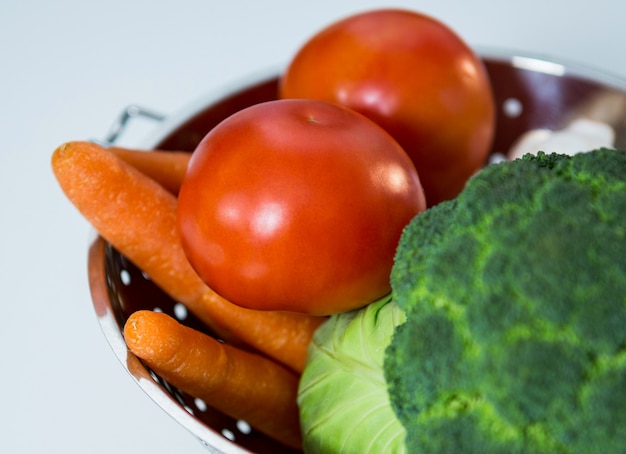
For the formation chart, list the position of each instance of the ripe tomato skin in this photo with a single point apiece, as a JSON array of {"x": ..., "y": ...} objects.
[
  {"x": 297, "y": 205},
  {"x": 413, "y": 76}
]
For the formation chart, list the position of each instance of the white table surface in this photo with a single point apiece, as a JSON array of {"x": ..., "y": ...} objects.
[{"x": 68, "y": 68}]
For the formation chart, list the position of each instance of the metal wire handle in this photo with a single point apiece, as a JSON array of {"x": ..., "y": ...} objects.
[{"x": 130, "y": 112}]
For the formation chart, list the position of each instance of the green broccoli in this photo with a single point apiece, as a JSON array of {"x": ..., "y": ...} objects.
[{"x": 515, "y": 300}]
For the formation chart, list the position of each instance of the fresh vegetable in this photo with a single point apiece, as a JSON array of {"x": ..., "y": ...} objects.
[
  {"x": 343, "y": 400},
  {"x": 412, "y": 75},
  {"x": 515, "y": 306},
  {"x": 240, "y": 384},
  {"x": 515, "y": 301},
  {"x": 138, "y": 217},
  {"x": 130, "y": 210},
  {"x": 166, "y": 167},
  {"x": 297, "y": 205}
]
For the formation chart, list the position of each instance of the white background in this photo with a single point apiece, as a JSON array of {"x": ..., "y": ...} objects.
[{"x": 67, "y": 68}]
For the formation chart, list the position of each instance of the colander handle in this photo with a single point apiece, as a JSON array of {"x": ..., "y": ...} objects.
[{"x": 123, "y": 120}]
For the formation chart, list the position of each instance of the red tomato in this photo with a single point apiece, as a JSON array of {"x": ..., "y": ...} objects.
[
  {"x": 413, "y": 76},
  {"x": 297, "y": 205}
]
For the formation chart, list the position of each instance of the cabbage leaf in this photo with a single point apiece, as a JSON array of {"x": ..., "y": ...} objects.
[{"x": 343, "y": 394}]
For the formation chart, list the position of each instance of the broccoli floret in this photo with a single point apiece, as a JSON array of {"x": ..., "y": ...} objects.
[{"x": 515, "y": 298}]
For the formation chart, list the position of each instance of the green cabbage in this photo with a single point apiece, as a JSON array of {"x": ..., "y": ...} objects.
[{"x": 343, "y": 399}]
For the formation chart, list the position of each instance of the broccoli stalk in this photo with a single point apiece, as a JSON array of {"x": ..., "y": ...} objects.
[{"x": 515, "y": 300}]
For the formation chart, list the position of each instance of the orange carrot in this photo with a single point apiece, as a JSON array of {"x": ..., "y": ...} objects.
[
  {"x": 138, "y": 217},
  {"x": 166, "y": 167},
  {"x": 238, "y": 383},
  {"x": 283, "y": 336},
  {"x": 130, "y": 210}
]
